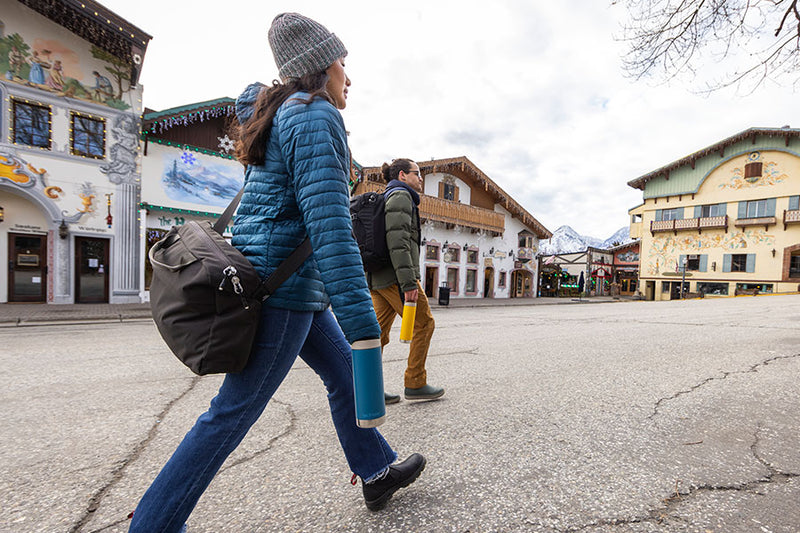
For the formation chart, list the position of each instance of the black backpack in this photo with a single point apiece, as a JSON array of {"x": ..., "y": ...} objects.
[{"x": 368, "y": 212}]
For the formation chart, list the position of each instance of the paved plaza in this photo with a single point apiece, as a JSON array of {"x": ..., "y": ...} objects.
[{"x": 612, "y": 417}]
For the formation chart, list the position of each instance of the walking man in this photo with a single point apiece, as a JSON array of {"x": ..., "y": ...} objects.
[{"x": 399, "y": 282}]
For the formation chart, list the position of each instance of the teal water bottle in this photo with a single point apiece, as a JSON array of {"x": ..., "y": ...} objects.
[{"x": 368, "y": 383}]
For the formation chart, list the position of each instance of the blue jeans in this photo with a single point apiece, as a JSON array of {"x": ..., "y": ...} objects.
[{"x": 282, "y": 335}]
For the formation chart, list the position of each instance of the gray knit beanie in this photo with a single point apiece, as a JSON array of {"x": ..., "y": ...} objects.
[{"x": 302, "y": 46}]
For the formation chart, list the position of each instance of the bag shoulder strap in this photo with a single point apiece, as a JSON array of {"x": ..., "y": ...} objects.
[
  {"x": 227, "y": 215},
  {"x": 287, "y": 266},
  {"x": 284, "y": 270}
]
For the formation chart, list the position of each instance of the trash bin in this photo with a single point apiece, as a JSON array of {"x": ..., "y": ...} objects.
[{"x": 444, "y": 295}]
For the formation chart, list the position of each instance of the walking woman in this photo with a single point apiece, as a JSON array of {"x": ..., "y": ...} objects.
[{"x": 292, "y": 140}]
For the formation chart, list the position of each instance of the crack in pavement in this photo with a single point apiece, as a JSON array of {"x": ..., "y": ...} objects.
[
  {"x": 289, "y": 429},
  {"x": 724, "y": 376},
  {"x": 665, "y": 512},
  {"x": 116, "y": 474}
]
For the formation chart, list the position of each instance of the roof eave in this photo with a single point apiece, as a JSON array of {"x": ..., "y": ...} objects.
[{"x": 641, "y": 181}]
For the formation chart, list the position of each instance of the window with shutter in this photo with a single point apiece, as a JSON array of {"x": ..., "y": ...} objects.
[
  {"x": 750, "y": 263},
  {"x": 753, "y": 170},
  {"x": 758, "y": 208},
  {"x": 726, "y": 262},
  {"x": 449, "y": 191},
  {"x": 739, "y": 262},
  {"x": 672, "y": 214}
]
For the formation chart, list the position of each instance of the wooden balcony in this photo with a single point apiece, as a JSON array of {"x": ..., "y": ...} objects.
[
  {"x": 714, "y": 222},
  {"x": 689, "y": 224},
  {"x": 439, "y": 210},
  {"x": 447, "y": 212},
  {"x": 525, "y": 253},
  {"x": 757, "y": 221},
  {"x": 790, "y": 217}
]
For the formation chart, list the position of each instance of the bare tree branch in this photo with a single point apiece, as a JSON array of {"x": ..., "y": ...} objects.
[{"x": 700, "y": 38}]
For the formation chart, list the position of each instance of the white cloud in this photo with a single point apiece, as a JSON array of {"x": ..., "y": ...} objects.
[{"x": 532, "y": 92}]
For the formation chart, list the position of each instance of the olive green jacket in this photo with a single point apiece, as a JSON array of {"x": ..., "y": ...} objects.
[{"x": 402, "y": 239}]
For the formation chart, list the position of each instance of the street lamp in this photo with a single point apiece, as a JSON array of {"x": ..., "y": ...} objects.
[{"x": 683, "y": 278}]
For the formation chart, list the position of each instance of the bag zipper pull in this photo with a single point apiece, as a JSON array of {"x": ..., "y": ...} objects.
[
  {"x": 238, "y": 289},
  {"x": 229, "y": 272},
  {"x": 237, "y": 284}
]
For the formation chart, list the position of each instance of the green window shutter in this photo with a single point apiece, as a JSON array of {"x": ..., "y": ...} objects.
[
  {"x": 794, "y": 203},
  {"x": 726, "y": 262},
  {"x": 722, "y": 210},
  {"x": 751, "y": 262},
  {"x": 658, "y": 214},
  {"x": 679, "y": 213},
  {"x": 698, "y": 211},
  {"x": 742, "y": 210},
  {"x": 703, "y": 263},
  {"x": 680, "y": 262},
  {"x": 771, "y": 207}
]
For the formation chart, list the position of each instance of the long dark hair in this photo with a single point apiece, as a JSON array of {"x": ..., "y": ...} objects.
[
  {"x": 392, "y": 172},
  {"x": 252, "y": 136}
]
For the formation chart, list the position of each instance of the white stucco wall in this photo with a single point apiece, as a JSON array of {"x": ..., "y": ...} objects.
[
  {"x": 500, "y": 257},
  {"x": 432, "y": 186}
]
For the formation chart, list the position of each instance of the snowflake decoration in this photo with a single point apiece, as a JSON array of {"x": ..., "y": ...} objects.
[
  {"x": 225, "y": 143},
  {"x": 188, "y": 158}
]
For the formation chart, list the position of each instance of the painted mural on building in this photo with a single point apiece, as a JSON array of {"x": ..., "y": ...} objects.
[
  {"x": 771, "y": 174},
  {"x": 80, "y": 197},
  {"x": 188, "y": 178},
  {"x": 50, "y": 65},
  {"x": 665, "y": 249}
]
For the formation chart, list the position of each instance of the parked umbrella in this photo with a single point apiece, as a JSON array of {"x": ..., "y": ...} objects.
[{"x": 580, "y": 284}]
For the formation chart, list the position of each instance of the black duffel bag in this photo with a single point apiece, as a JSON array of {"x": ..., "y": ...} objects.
[{"x": 206, "y": 296}]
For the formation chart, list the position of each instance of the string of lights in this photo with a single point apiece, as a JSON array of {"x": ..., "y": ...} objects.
[
  {"x": 162, "y": 125},
  {"x": 205, "y": 151},
  {"x": 151, "y": 207}
]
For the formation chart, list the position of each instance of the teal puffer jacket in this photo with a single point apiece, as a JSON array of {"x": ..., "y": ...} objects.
[{"x": 302, "y": 189}]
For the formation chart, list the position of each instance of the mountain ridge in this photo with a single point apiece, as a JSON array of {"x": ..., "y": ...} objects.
[{"x": 566, "y": 240}]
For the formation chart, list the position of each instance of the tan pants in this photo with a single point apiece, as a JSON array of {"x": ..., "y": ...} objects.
[{"x": 387, "y": 305}]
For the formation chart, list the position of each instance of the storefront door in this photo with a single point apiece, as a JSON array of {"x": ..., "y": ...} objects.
[
  {"x": 517, "y": 284},
  {"x": 628, "y": 286},
  {"x": 91, "y": 270},
  {"x": 488, "y": 283},
  {"x": 27, "y": 268},
  {"x": 431, "y": 281},
  {"x": 675, "y": 290}
]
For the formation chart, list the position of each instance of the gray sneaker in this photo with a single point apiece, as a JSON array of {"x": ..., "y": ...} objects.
[{"x": 426, "y": 392}]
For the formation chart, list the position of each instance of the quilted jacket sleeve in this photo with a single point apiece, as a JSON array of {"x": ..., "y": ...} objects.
[
  {"x": 314, "y": 146},
  {"x": 399, "y": 231}
]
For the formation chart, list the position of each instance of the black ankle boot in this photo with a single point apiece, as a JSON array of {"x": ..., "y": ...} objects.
[
  {"x": 377, "y": 493},
  {"x": 389, "y": 399}
]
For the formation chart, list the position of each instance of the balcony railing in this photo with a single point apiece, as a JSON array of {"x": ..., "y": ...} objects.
[
  {"x": 790, "y": 217},
  {"x": 445, "y": 211},
  {"x": 755, "y": 221},
  {"x": 439, "y": 210},
  {"x": 525, "y": 253},
  {"x": 689, "y": 224}
]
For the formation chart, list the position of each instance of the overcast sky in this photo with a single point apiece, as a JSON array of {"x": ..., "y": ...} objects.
[{"x": 531, "y": 92}]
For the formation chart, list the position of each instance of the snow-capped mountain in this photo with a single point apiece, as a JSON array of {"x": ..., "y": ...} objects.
[
  {"x": 622, "y": 236},
  {"x": 566, "y": 240}
]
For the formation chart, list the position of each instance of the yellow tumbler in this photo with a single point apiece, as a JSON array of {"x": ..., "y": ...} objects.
[{"x": 407, "y": 325}]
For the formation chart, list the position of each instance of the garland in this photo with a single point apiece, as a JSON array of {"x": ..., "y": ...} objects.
[{"x": 165, "y": 124}]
